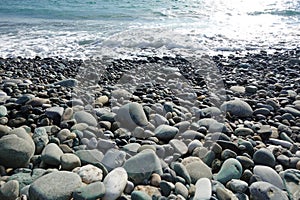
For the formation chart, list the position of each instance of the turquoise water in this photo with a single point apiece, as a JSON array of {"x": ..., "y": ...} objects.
[{"x": 80, "y": 29}]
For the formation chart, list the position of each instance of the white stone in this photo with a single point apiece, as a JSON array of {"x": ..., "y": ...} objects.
[
  {"x": 89, "y": 173},
  {"x": 115, "y": 183},
  {"x": 203, "y": 189}
]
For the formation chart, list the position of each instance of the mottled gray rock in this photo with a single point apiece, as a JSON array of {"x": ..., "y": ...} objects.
[
  {"x": 179, "y": 146},
  {"x": 40, "y": 138},
  {"x": 113, "y": 158},
  {"x": 197, "y": 170},
  {"x": 89, "y": 156},
  {"x": 140, "y": 195},
  {"x": 89, "y": 173},
  {"x": 54, "y": 186},
  {"x": 69, "y": 161},
  {"x": 237, "y": 186},
  {"x": 291, "y": 180}
]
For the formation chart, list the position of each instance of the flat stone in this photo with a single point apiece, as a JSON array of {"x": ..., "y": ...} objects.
[
  {"x": 9, "y": 190},
  {"x": 54, "y": 186},
  {"x": 37, "y": 102},
  {"x": 89, "y": 173},
  {"x": 197, "y": 170},
  {"x": 51, "y": 154},
  {"x": 16, "y": 149},
  {"x": 115, "y": 183},
  {"x": 231, "y": 169},
  {"x": 293, "y": 111},
  {"x": 85, "y": 117},
  {"x": 238, "y": 89},
  {"x": 179, "y": 146},
  {"x": 142, "y": 165},
  {"x": 181, "y": 190},
  {"x": 3, "y": 111},
  {"x": 69, "y": 161},
  {"x": 291, "y": 180},
  {"x": 269, "y": 175},
  {"x": 251, "y": 89},
  {"x": 165, "y": 132},
  {"x": 203, "y": 189},
  {"x": 264, "y": 156},
  {"x": 132, "y": 115},
  {"x": 148, "y": 189},
  {"x": 65, "y": 134},
  {"x": 243, "y": 131},
  {"x": 91, "y": 191},
  {"x": 212, "y": 125},
  {"x": 237, "y": 108},
  {"x": 67, "y": 83},
  {"x": 4, "y": 130},
  {"x": 264, "y": 190},
  {"x": 89, "y": 156}
]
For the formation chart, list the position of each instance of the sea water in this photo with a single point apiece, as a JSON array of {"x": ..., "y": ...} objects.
[{"x": 117, "y": 28}]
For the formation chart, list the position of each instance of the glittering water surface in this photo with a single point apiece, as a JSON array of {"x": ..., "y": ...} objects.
[{"x": 80, "y": 29}]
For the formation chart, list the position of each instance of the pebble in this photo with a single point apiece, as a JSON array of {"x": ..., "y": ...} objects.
[
  {"x": 69, "y": 161},
  {"x": 291, "y": 180},
  {"x": 148, "y": 163},
  {"x": 132, "y": 115},
  {"x": 231, "y": 169},
  {"x": 181, "y": 190},
  {"x": 40, "y": 138},
  {"x": 89, "y": 156},
  {"x": 3, "y": 111},
  {"x": 89, "y": 173},
  {"x": 155, "y": 179},
  {"x": 115, "y": 183},
  {"x": 91, "y": 191},
  {"x": 264, "y": 156},
  {"x": 139, "y": 195},
  {"x": 165, "y": 132},
  {"x": 55, "y": 185},
  {"x": 51, "y": 154},
  {"x": 237, "y": 108},
  {"x": 237, "y": 186},
  {"x": 85, "y": 117},
  {"x": 179, "y": 146},
  {"x": 264, "y": 190},
  {"x": 113, "y": 158},
  {"x": 203, "y": 189},
  {"x": 16, "y": 149},
  {"x": 197, "y": 170},
  {"x": 9, "y": 190}
]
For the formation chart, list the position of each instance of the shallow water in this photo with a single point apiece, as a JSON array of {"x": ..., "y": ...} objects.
[{"x": 80, "y": 29}]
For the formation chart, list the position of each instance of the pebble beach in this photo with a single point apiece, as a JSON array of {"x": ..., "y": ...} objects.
[{"x": 212, "y": 128}]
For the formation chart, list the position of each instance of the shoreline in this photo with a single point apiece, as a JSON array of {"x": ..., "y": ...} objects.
[{"x": 156, "y": 128}]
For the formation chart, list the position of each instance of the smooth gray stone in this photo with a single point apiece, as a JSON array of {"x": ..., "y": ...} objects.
[
  {"x": 55, "y": 113},
  {"x": 237, "y": 108},
  {"x": 115, "y": 183},
  {"x": 165, "y": 132},
  {"x": 67, "y": 83},
  {"x": 4, "y": 130},
  {"x": 113, "y": 158},
  {"x": 203, "y": 189},
  {"x": 231, "y": 169},
  {"x": 264, "y": 190},
  {"x": 197, "y": 170},
  {"x": 9, "y": 190},
  {"x": 142, "y": 165},
  {"x": 269, "y": 175},
  {"x": 181, "y": 190},
  {"x": 264, "y": 156},
  {"x": 89, "y": 156},
  {"x": 166, "y": 187},
  {"x": 179, "y": 146},
  {"x": 237, "y": 186},
  {"x": 292, "y": 111},
  {"x": 51, "y": 154},
  {"x": 243, "y": 131},
  {"x": 69, "y": 161},
  {"x": 54, "y": 186},
  {"x": 16, "y": 149},
  {"x": 212, "y": 125},
  {"x": 283, "y": 143},
  {"x": 91, "y": 191},
  {"x": 140, "y": 195},
  {"x": 291, "y": 180},
  {"x": 181, "y": 171},
  {"x": 132, "y": 115},
  {"x": 85, "y": 117}
]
